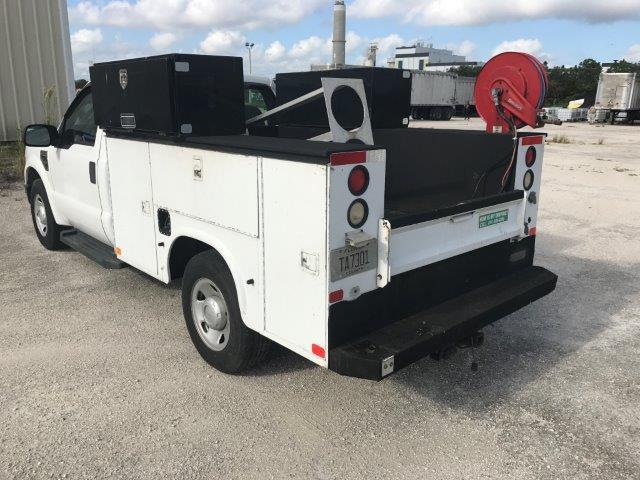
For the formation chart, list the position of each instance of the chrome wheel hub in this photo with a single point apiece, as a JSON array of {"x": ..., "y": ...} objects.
[
  {"x": 210, "y": 314},
  {"x": 40, "y": 214}
]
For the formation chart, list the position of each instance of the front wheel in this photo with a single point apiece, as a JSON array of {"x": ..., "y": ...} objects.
[
  {"x": 212, "y": 314},
  {"x": 47, "y": 230}
]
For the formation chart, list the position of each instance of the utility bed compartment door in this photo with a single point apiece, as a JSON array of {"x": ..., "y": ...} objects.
[
  {"x": 132, "y": 200},
  {"x": 415, "y": 245}
]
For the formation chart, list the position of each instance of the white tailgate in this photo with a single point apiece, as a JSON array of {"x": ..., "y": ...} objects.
[{"x": 415, "y": 246}]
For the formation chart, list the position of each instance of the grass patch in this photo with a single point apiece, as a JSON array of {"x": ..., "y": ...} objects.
[
  {"x": 559, "y": 139},
  {"x": 11, "y": 161}
]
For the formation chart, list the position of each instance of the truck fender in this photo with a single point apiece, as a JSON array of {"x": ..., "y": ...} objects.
[
  {"x": 225, "y": 253},
  {"x": 34, "y": 170}
]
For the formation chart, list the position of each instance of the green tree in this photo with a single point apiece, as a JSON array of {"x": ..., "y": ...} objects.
[
  {"x": 572, "y": 83},
  {"x": 81, "y": 83},
  {"x": 623, "y": 66},
  {"x": 466, "y": 70}
]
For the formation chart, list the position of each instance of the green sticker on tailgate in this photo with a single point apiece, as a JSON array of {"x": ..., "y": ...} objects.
[{"x": 494, "y": 218}]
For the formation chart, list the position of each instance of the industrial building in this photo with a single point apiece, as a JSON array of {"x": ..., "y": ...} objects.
[
  {"x": 35, "y": 57},
  {"x": 426, "y": 57}
]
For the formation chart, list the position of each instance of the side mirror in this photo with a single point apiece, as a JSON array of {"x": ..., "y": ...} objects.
[{"x": 40, "y": 136}]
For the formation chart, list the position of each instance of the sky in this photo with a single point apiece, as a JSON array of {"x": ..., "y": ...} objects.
[{"x": 290, "y": 35}]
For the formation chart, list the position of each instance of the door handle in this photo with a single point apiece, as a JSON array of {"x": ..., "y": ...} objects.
[
  {"x": 92, "y": 172},
  {"x": 462, "y": 217}
]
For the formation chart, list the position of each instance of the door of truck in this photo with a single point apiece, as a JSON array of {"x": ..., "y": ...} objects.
[{"x": 73, "y": 168}]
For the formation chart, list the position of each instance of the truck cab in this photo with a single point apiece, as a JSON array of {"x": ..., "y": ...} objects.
[{"x": 361, "y": 257}]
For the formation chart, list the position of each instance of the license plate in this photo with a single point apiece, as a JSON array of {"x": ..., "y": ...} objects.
[{"x": 347, "y": 261}]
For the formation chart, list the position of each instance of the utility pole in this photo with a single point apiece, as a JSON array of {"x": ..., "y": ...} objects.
[{"x": 249, "y": 47}]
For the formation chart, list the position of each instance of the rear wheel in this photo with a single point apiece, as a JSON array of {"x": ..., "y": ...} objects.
[
  {"x": 47, "y": 230},
  {"x": 212, "y": 315}
]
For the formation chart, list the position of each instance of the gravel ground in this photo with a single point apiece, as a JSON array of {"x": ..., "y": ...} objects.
[{"x": 98, "y": 378}]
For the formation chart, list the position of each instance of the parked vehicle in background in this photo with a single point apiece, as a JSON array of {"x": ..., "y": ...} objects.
[
  {"x": 619, "y": 95},
  {"x": 465, "y": 87},
  {"x": 433, "y": 95}
]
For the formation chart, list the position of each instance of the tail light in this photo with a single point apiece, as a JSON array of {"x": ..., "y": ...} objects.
[
  {"x": 530, "y": 156},
  {"x": 527, "y": 183},
  {"x": 358, "y": 180},
  {"x": 358, "y": 213}
]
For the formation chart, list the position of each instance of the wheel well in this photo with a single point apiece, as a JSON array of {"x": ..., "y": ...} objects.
[
  {"x": 183, "y": 250},
  {"x": 32, "y": 176}
]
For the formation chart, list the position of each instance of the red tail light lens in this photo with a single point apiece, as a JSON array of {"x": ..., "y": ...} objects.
[
  {"x": 530, "y": 157},
  {"x": 358, "y": 180}
]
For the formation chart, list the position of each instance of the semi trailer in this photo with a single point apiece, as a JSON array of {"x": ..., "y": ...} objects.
[
  {"x": 433, "y": 95},
  {"x": 361, "y": 249},
  {"x": 465, "y": 95},
  {"x": 618, "y": 95}
]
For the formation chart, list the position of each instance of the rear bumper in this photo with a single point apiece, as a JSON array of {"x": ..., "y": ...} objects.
[{"x": 387, "y": 350}]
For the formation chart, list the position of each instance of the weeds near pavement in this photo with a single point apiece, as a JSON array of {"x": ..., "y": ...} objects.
[
  {"x": 11, "y": 161},
  {"x": 559, "y": 139},
  {"x": 48, "y": 101},
  {"x": 12, "y": 153}
]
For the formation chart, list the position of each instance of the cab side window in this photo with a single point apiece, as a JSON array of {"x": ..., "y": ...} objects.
[
  {"x": 257, "y": 100},
  {"x": 79, "y": 126}
]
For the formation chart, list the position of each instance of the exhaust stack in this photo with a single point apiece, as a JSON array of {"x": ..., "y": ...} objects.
[{"x": 339, "y": 33}]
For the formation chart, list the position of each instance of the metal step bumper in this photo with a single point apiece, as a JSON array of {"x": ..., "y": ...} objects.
[{"x": 382, "y": 352}]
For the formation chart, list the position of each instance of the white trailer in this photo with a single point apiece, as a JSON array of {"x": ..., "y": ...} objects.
[
  {"x": 619, "y": 94},
  {"x": 433, "y": 95},
  {"x": 361, "y": 258},
  {"x": 465, "y": 94}
]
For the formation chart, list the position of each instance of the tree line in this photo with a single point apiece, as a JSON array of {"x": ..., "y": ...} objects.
[{"x": 570, "y": 83}]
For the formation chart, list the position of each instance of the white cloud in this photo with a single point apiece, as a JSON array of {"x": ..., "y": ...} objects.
[
  {"x": 354, "y": 42},
  {"x": 310, "y": 47},
  {"x": 223, "y": 42},
  {"x": 275, "y": 52},
  {"x": 471, "y": 12},
  {"x": 85, "y": 40},
  {"x": 532, "y": 46},
  {"x": 633, "y": 54},
  {"x": 172, "y": 14},
  {"x": 527, "y": 45},
  {"x": 466, "y": 48},
  {"x": 162, "y": 41}
]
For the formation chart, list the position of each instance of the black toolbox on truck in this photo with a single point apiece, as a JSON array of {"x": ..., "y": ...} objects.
[
  {"x": 388, "y": 93},
  {"x": 170, "y": 95}
]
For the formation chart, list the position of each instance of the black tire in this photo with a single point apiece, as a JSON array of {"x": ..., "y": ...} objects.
[
  {"x": 243, "y": 347},
  {"x": 49, "y": 234}
]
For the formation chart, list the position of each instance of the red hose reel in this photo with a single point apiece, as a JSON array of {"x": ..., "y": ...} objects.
[{"x": 510, "y": 92}]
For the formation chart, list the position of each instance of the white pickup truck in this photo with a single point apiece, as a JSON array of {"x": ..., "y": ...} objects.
[{"x": 359, "y": 257}]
